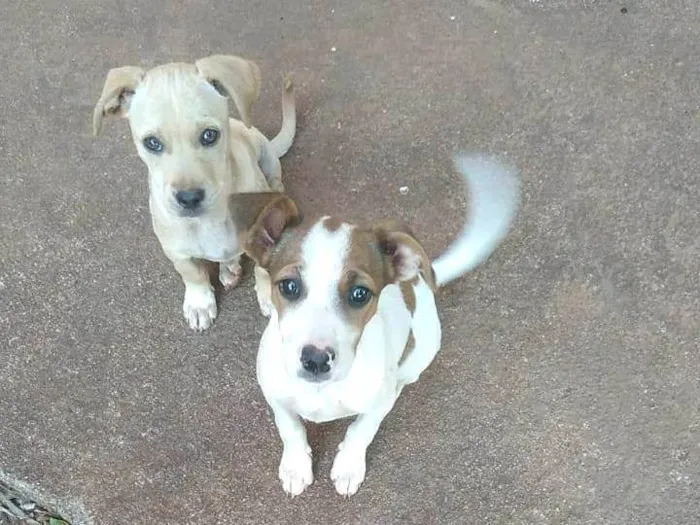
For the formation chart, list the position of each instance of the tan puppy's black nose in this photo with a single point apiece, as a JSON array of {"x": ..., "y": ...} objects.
[
  {"x": 315, "y": 360},
  {"x": 190, "y": 199}
]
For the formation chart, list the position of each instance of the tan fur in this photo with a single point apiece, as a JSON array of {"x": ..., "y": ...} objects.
[
  {"x": 240, "y": 78},
  {"x": 175, "y": 103}
]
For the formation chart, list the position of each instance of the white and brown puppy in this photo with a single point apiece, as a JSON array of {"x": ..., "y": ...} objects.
[
  {"x": 354, "y": 317},
  {"x": 197, "y": 157}
]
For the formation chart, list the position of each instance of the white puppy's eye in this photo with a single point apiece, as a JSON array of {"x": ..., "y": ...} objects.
[
  {"x": 359, "y": 296},
  {"x": 151, "y": 143},
  {"x": 290, "y": 289},
  {"x": 209, "y": 137}
]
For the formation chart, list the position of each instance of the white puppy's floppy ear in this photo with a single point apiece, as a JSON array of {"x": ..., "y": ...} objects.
[
  {"x": 405, "y": 256},
  {"x": 116, "y": 94},
  {"x": 276, "y": 215},
  {"x": 235, "y": 77}
]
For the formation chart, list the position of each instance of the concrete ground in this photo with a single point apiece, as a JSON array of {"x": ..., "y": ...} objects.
[{"x": 568, "y": 387}]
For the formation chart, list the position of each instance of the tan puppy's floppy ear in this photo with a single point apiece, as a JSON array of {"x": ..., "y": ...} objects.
[
  {"x": 405, "y": 256},
  {"x": 277, "y": 213},
  {"x": 116, "y": 94},
  {"x": 235, "y": 77}
]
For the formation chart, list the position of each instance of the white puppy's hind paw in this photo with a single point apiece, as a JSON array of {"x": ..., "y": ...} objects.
[
  {"x": 229, "y": 275},
  {"x": 296, "y": 472},
  {"x": 199, "y": 307},
  {"x": 348, "y": 470}
]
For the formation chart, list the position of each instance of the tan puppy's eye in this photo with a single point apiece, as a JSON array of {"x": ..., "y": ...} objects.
[
  {"x": 152, "y": 144},
  {"x": 209, "y": 137},
  {"x": 359, "y": 296}
]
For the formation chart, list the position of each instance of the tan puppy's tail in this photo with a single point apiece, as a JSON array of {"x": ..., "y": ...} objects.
[
  {"x": 283, "y": 141},
  {"x": 494, "y": 195}
]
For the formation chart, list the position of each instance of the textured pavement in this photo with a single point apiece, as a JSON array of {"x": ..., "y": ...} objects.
[{"x": 568, "y": 387}]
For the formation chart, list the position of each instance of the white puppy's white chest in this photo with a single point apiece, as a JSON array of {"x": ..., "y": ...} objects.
[{"x": 319, "y": 404}]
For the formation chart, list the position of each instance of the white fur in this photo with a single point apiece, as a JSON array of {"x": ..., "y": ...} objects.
[
  {"x": 367, "y": 378},
  {"x": 494, "y": 191}
]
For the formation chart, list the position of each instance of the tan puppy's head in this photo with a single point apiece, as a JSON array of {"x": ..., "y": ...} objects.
[
  {"x": 327, "y": 277},
  {"x": 178, "y": 115}
]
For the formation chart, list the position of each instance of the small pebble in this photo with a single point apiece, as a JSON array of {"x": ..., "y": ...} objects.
[{"x": 403, "y": 190}]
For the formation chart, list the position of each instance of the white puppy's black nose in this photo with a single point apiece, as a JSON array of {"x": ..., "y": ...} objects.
[
  {"x": 190, "y": 199},
  {"x": 315, "y": 360}
]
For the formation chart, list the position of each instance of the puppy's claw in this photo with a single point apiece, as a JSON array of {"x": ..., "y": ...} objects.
[
  {"x": 348, "y": 471},
  {"x": 230, "y": 275},
  {"x": 199, "y": 308},
  {"x": 295, "y": 472}
]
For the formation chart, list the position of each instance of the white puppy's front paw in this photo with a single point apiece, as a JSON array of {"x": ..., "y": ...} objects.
[
  {"x": 230, "y": 274},
  {"x": 348, "y": 470},
  {"x": 296, "y": 471},
  {"x": 199, "y": 307}
]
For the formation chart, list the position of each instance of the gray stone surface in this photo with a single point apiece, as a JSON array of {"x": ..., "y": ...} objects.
[{"x": 568, "y": 387}]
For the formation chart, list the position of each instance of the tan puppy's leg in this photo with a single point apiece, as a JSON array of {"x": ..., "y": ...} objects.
[
  {"x": 199, "y": 306},
  {"x": 271, "y": 168},
  {"x": 230, "y": 273},
  {"x": 263, "y": 290}
]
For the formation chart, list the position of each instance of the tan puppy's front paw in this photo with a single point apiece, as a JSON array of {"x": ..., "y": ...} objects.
[
  {"x": 348, "y": 470},
  {"x": 199, "y": 307},
  {"x": 265, "y": 304},
  {"x": 230, "y": 274},
  {"x": 263, "y": 291},
  {"x": 296, "y": 471}
]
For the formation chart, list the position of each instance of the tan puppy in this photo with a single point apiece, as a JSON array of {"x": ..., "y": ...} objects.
[{"x": 197, "y": 157}]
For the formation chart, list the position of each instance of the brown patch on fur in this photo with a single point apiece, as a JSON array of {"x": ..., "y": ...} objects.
[
  {"x": 401, "y": 248},
  {"x": 332, "y": 224},
  {"x": 364, "y": 266},
  {"x": 409, "y": 295},
  {"x": 285, "y": 260},
  {"x": 374, "y": 260},
  {"x": 410, "y": 345},
  {"x": 245, "y": 208},
  {"x": 268, "y": 228}
]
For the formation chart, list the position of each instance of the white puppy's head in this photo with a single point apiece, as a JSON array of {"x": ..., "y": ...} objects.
[
  {"x": 327, "y": 276},
  {"x": 178, "y": 114}
]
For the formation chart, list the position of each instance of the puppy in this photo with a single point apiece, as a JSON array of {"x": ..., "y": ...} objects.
[
  {"x": 354, "y": 317},
  {"x": 197, "y": 157}
]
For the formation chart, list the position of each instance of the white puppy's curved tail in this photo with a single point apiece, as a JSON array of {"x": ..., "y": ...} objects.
[
  {"x": 494, "y": 195},
  {"x": 283, "y": 140}
]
